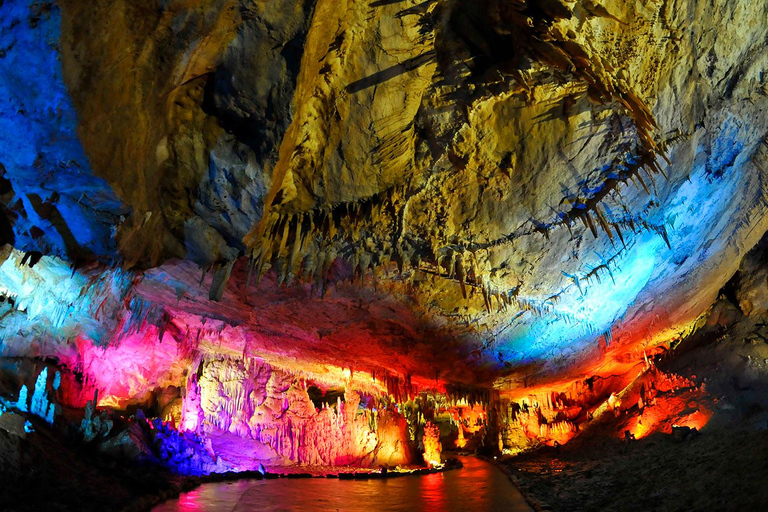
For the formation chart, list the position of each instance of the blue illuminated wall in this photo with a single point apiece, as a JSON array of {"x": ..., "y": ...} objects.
[
  {"x": 702, "y": 207},
  {"x": 51, "y": 303},
  {"x": 57, "y": 205}
]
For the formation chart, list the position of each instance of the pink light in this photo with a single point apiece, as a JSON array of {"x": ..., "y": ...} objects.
[{"x": 130, "y": 368}]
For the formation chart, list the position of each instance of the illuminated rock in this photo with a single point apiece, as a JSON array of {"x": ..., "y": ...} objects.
[
  {"x": 207, "y": 208},
  {"x": 21, "y": 403},
  {"x": 94, "y": 426},
  {"x": 432, "y": 445},
  {"x": 256, "y": 401},
  {"x": 40, "y": 404},
  {"x": 525, "y": 194}
]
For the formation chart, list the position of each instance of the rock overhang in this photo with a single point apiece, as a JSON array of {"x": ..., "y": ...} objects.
[{"x": 508, "y": 202}]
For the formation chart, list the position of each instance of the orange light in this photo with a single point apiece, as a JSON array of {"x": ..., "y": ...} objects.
[
  {"x": 461, "y": 441},
  {"x": 432, "y": 447}
]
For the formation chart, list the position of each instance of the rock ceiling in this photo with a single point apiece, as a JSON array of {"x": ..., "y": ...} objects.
[{"x": 449, "y": 189}]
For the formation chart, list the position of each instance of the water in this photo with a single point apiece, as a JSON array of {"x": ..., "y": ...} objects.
[{"x": 479, "y": 486}]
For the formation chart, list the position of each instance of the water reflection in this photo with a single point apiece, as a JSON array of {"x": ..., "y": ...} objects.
[{"x": 479, "y": 486}]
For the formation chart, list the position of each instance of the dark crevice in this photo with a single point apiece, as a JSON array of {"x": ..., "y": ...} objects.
[{"x": 258, "y": 122}]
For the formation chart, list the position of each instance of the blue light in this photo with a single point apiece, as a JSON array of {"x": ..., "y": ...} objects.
[
  {"x": 40, "y": 405},
  {"x": 21, "y": 403},
  {"x": 585, "y": 311},
  {"x": 696, "y": 213},
  {"x": 54, "y": 302},
  {"x": 42, "y": 156}
]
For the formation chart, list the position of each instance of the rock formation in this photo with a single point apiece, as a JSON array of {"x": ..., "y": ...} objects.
[{"x": 208, "y": 207}]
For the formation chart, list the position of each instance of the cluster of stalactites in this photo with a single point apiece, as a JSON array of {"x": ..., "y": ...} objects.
[
  {"x": 556, "y": 429},
  {"x": 469, "y": 395},
  {"x": 368, "y": 233},
  {"x": 535, "y": 423},
  {"x": 400, "y": 389},
  {"x": 305, "y": 245},
  {"x": 144, "y": 313},
  {"x": 555, "y": 415},
  {"x": 253, "y": 400}
]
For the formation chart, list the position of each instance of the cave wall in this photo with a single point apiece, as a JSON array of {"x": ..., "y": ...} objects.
[
  {"x": 52, "y": 201},
  {"x": 512, "y": 193},
  {"x": 572, "y": 183},
  {"x": 253, "y": 400},
  {"x": 551, "y": 179}
]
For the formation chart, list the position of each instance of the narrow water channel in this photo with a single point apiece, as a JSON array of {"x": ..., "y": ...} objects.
[{"x": 478, "y": 486}]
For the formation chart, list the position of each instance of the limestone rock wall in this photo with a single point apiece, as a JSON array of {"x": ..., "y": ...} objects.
[
  {"x": 252, "y": 400},
  {"x": 577, "y": 167}
]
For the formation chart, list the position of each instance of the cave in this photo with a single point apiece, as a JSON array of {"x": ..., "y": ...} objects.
[{"x": 383, "y": 255}]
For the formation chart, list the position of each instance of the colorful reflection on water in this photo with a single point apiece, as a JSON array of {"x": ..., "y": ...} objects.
[{"x": 479, "y": 486}]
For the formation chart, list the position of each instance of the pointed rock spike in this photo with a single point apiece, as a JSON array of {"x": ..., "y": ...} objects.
[{"x": 591, "y": 224}]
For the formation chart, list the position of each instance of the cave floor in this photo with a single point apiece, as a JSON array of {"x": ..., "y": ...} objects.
[
  {"x": 716, "y": 470},
  {"x": 45, "y": 472}
]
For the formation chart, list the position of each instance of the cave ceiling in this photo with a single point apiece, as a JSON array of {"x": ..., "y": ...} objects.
[{"x": 454, "y": 190}]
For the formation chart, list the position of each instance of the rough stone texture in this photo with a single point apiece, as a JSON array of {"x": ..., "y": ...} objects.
[
  {"x": 752, "y": 282},
  {"x": 50, "y": 200},
  {"x": 129, "y": 444},
  {"x": 543, "y": 185},
  {"x": 13, "y": 424},
  {"x": 253, "y": 400},
  {"x": 517, "y": 171},
  {"x": 210, "y": 207},
  {"x": 139, "y": 90}
]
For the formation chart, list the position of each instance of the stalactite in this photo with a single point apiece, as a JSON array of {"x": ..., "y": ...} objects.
[
  {"x": 636, "y": 174},
  {"x": 230, "y": 389},
  {"x": 590, "y": 223},
  {"x": 461, "y": 276},
  {"x": 603, "y": 222},
  {"x": 618, "y": 232}
]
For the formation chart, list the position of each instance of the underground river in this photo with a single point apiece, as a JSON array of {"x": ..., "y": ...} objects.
[{"x": 478, "y": 486}]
